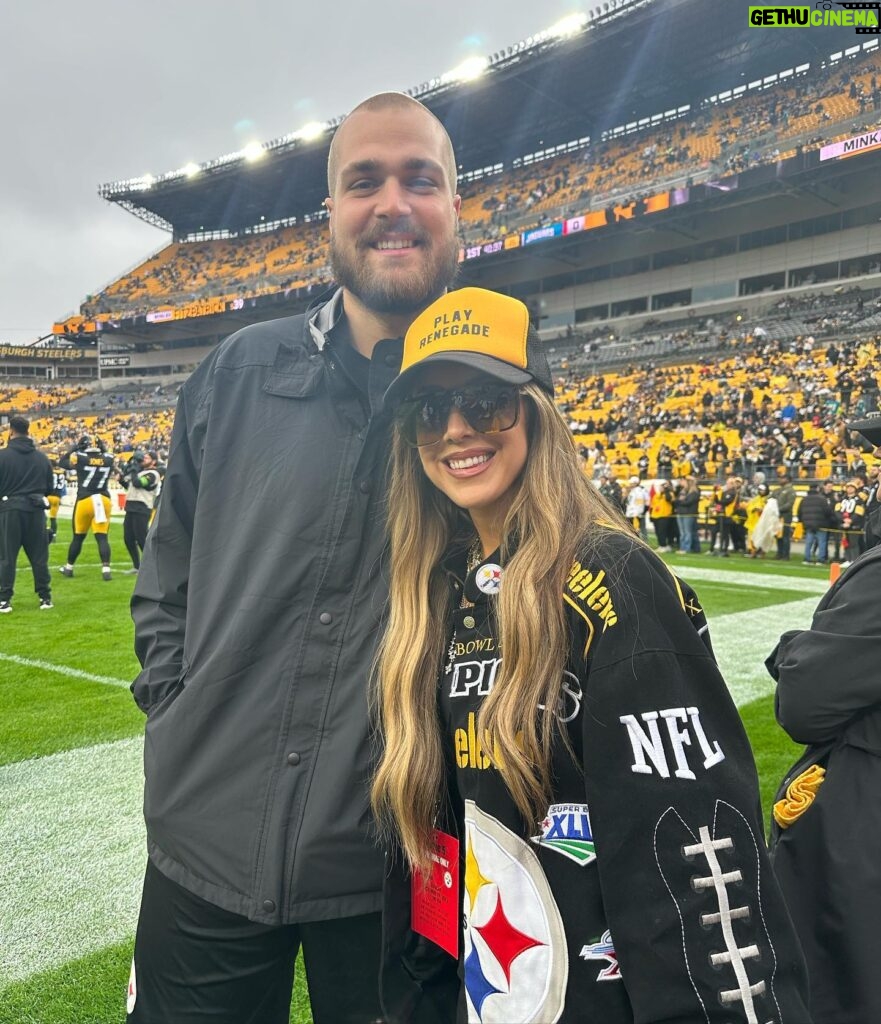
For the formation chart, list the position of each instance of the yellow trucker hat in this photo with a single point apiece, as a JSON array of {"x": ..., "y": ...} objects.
[{"x": 478, "y": 328}]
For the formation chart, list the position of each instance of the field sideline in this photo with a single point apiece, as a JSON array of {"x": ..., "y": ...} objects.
[{"x": 71, "y": 836}]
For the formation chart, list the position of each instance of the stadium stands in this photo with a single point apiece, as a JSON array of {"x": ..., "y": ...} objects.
[
  {"x": 775, "y": 405},
  {"x": 774, "y": 394},
  {"x": 36, "y": 398}
]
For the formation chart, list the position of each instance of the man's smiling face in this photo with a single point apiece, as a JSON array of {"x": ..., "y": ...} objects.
[{"x": 393, "y": 214}]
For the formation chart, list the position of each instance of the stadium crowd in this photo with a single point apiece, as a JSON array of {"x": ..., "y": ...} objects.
[{"x": 664, "y": 442}]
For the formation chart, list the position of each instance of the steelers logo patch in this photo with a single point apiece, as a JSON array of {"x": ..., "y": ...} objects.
[
  {"x": 515, "y": 955},
  {"x": 489, "y": 578}
]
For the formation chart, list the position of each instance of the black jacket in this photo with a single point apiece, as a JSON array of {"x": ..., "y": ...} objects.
[
  {"x": 813, "y": 512},
  {"x": 24, "y": 470},
  {"x": 256, "y": 610},
  {"x": 687, "y": 503},
  {"x": 827, "y": 861},
  {"x": 604, "y": 910}
]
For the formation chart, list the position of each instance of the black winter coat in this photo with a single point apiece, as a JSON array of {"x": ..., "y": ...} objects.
[
  {"x": 256, "y": 610},
  {"x": 813, "y": 512},
  {"x": 827, "y": 861}
]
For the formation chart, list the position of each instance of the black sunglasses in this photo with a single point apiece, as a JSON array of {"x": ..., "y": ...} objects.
[{"x": 487, "y": 409}]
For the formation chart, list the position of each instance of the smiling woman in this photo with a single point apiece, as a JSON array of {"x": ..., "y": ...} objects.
[
  {"x": 472, "y": 443},
  {"x": 542, "y": 669}
]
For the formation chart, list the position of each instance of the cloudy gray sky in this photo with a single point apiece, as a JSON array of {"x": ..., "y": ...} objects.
[{"x": 101, "y": 90}]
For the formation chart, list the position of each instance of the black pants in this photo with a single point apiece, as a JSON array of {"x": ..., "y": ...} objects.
[
  {"x": 663, "y": 530},
  {"x": 196, "y": 963},
  {"x": 76, "y": 546},
  {"x": 726, "y": 540},
  {"x": 784, "y": 541},
  {"x": 134, "y": 533},
  {"x": 20, "y": 529}
]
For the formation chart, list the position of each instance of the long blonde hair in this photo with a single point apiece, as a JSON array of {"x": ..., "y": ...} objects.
[{"x": 554, "y": 515}]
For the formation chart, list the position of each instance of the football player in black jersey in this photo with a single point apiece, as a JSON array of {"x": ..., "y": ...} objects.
[
  {"x": 94, "y": 466},
  {"x": 59, "y": 488}
]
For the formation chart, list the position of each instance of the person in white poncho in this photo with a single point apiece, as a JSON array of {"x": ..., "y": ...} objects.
[{"x": 765, "y": 531}]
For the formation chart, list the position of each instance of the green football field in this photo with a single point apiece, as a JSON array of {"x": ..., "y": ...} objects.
[{"x": 71, "y": 836}]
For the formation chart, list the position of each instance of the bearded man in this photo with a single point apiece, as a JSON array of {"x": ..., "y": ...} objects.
[{"x": 257, "y": 608}]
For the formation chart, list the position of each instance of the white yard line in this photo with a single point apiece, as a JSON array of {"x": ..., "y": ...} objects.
[
  {"x": 808, "y": 584},
  {"x": 742, "y": 641},
  {"x": 62, "y": 560},
  {"x": 72, "y": 855},
  {"x": 63, "y": 670}
]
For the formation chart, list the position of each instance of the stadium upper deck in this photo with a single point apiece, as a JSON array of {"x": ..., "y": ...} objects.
[
  {"x": 549, "y": 142},
  {"x": 716, "y": 139},
  {"x": 623, "y": 66}
]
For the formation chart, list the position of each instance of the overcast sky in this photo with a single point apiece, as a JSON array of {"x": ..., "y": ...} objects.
[{"x": 101, "y": 90}]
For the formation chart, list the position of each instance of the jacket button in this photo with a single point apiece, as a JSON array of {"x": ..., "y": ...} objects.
[
  {"x": 364, "y": 487},
  {"x": 468, "y": 622},
  {"x": 325, "y": 618},
  {"x": 391, "y": 360},
  {"x": 268, "y": 906},
  {"x": 293, "y": 758}
]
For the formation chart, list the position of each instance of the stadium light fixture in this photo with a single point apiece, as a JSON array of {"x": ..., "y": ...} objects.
[
  {"x": 143, "y": 183},
  {"x": 253, "y": 152},
  {"x": 467, "y": 71},
  {"x": 310, "y": 131},
  {"x": 571, "y": 25},
  {"x": 191, "y": 169}
]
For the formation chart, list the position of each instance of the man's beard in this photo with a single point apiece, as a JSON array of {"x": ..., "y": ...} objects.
[{"x": 397, "y": 293}]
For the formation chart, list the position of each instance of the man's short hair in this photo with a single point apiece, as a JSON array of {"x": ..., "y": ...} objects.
[
  {"x": 19, "y": 425},
  {"x": 389, "y": 101}
]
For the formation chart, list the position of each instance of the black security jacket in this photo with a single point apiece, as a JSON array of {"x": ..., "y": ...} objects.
[
  {"x": 257, "y": 607},
  {"x": 644, "y": 894}
]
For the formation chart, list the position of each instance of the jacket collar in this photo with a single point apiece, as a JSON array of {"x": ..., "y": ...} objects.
[
  {"x": 323, "y": 316},
  {"x": 298, "y": 368},
  {"x": 23, "y": 444}
]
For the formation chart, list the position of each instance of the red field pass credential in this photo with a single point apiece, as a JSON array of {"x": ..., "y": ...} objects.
[{"x": 435, "y": 908}]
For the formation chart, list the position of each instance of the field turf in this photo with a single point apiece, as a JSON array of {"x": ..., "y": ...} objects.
[{"x": 71, "y": 836}]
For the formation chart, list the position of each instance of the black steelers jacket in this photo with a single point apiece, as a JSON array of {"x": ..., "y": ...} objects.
[{"x": 644, "y": 893}]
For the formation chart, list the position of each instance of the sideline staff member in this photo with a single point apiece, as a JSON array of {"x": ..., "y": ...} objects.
[
  {"x": 143, "y": 479},
  {"x": 256, "y": 634},
  {"x": 25, "y": 480}
]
